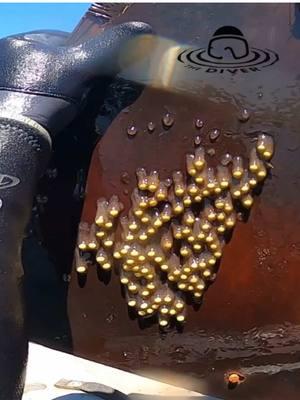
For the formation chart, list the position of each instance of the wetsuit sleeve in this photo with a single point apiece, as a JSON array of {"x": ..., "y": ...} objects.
[{"x": 24, "y": 152}]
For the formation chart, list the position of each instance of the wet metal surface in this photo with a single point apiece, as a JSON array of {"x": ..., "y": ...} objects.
[{"x": 249, "y": 320}]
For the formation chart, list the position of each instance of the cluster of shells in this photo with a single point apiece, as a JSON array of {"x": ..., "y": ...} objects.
[{"x": 174, "y": 234}]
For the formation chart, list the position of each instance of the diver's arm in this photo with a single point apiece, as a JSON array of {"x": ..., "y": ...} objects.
[
  {"x": 25, "y": 149},
  {"x": 42, "y": 88}
]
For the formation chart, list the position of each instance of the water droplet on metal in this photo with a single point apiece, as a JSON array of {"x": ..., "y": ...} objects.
[
  {"x": 211, "y": 152},
  {"x": 214, "y": 134},
  {"x": 125, "y": 178},
  {"x": 260, "y": 95},
  {"x": 168, "y": 120},
  {"x": 51, "y": 173},
  {"x": 151, "y": 126},
  {"x": 244, "y": 115},
  {"x": 197, "y": 140},
  {"x": 199, "y": 123},
  {"x": 132, "y": 130},
  {"x": 168, "y": 182},
  {"x": 226, "y": 159}
]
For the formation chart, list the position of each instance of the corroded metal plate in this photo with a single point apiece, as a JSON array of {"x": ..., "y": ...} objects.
[{"x": 249, "y": 320}]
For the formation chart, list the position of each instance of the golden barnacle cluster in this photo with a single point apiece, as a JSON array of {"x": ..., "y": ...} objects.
[
  {"x": 175, "y": 231},
  {"x": 99, "y": 238}
]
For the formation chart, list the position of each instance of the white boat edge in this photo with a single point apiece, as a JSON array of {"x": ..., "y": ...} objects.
[{"x": 47, "y": 366}]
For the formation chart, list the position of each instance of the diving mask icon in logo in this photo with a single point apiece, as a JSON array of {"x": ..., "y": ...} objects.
[{"x": 228, "y": 50}]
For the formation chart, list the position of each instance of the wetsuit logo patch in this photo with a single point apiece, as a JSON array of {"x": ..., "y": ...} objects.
[
  {"x": 7, "y": 181},
  {"x": 228, "y": 52}
]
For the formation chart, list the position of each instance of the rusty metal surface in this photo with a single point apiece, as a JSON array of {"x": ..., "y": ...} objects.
[{"x": 250, "y": 319}]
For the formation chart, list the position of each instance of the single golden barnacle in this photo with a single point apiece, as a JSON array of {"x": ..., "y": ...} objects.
[
  {"x": 186, "y": 269},
  {"x": 185, "y": 230},
  {"x": 152, "y": 201},
  {"x": 157, "y": 221},
  {"x": 83, "y": 236},
  {"x": 131, "y": 302},
  {"x": 223, "y": 176},
  {"x": 164, "y": 309},
  {"x": 247, "y": 201},
  {"x": 212, "y": 260},
  {"x": 145, "y": 293},
  {"x": 177, "y": 206},
  {"x": 158, "y": 299},
  {"x": 177, "y": 230},
  {"x": 164, "y": 266},
  {"x": 101, "y": 213},
  {"x": 197, "y": 247},
  {"x": 205, "y": 225},
  {"x": 124, "y": 249},
  {"x": 210, "y": 213},
  {"x": 133, "y": 224},
  {"x": 159, "y": 256},
  {"x": 153, "y": 181},
  {"x": 230, "y": 220},
  {"x": 166, "y": 213},
  {"x": 114, "y": 206},
  {"x": 193, "y": 279},
  {"x": 211, "y": 179},
  {"x": 143, "y": 236},
  {"x": 190, "y": 165},
  {"x": 92, "y": 241},
  {"x": 206, "y": 273},
  {"x": 244, "y": 183},
  {"x": 142, "y": 313},
  {"x": 237, "y": 167},
  {"x": 235, "y": 191},
  {"x": 188, "y": 218},
  {"x": 187, "y": 200},
  {"x": 162, "y": 192},
  {"x": 163, "y": 321},
  {"x": 221, "y": 228},
  {"x": 261, "y": 172},
  {"x": 252, "y": 181},
  {"x": 193, "y": 189},
  {"x": 182, "y": 286},
  {"x": 228, "y": 205},
  {"x": 100, "y": 234},
  {"x": 221, "y": 216},
  {"x": 117, "y": 251},
  {"x": 198, "y": 295},
  {"x": 254, "y": 161},
  {"x": 220, "y": 203},
  {"x": 179, "y": 304},
  {"x": 265, "y": 146},
  {"x": 179, "y": 185},
  {"x": 185, "y": 250},
  {"x": 166, "y": 241},
  {"x": 181, "y": 317},
  {"x": 199, "y": 159},
  {"x": 142, "y": 178},
  {"x": 138, "y": 200},
  {"x": 203, "y": 261},
  {"x": 132, "y": 287},
  {"x": 124, "y": 278},
  {"x": 198, "y": 198},
  {"x": 138, "y": 212},
  {"x": 151, "y": 230},
  {"x": 101, "y": 256},
  {"x": 81, "y": 264},
  {"x": 172, "y": 311},
  {"x": 108, "y": 241}
]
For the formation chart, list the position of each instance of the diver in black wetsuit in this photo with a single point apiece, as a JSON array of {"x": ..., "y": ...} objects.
[{"x": 42, "y": 88}]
